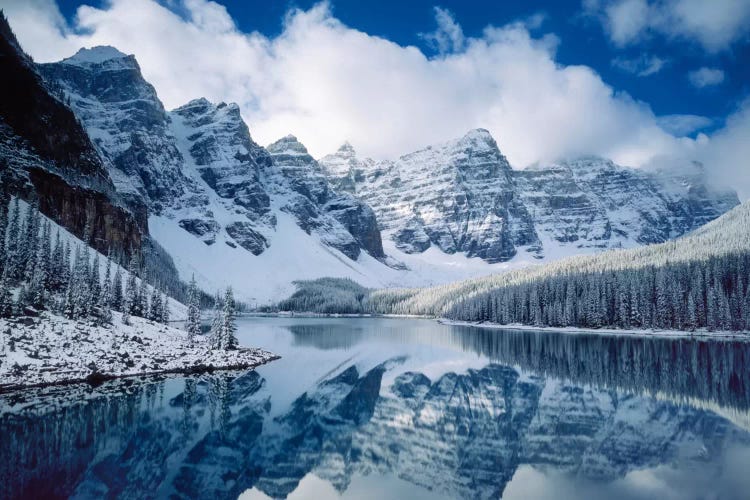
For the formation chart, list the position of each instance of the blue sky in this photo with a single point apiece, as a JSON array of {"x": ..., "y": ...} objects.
[{"x": 644, "y": 82}]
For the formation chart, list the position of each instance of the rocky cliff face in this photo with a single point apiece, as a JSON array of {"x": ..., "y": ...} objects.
[
  {"x": 462, "y": 196},
  {"x": 45, "y": 154},
  {"x": 315, "y": 202}
]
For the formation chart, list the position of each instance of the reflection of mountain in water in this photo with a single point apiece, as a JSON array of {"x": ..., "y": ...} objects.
[
  {"x": 708, "y": 370},
  {"x": 462, "y": 434}
]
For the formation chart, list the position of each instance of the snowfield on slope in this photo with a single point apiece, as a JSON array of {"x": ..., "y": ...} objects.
[{"x": 51, "y": 349}]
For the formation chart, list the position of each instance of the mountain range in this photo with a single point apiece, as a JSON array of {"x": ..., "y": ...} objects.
[{"x": 91, "y": 138}]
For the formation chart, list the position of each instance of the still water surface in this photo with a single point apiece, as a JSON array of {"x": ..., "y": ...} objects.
[{"x": 401, "y": 408}]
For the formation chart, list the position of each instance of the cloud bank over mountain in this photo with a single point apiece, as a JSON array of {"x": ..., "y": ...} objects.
[{"x": 327, "y": 82}]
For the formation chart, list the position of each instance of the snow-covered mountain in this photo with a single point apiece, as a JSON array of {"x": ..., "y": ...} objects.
[
  {"x": 462, "y": 196},
  {"x": 446, "y": 212},
  {"x": 216, "y": 197}
]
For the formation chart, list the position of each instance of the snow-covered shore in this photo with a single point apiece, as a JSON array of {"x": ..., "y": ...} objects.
[
  {"x": 606, "y": 331},
  {"x": 49, "y": 349}
]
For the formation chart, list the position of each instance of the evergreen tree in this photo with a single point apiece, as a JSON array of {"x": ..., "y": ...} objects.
[
  {"x": 117, "y": 297},
  {"x": 12, "y": 251},
  {"x": 105, "y": 299},
  {"x": 95, "y": 286},
  {"x": 66, "y": 266},
  {"x": 142, "y": 298},
  {"x": 130, "y": 304},
  {"x": 37, "y": 288},
  {"x": 154, "y": 312},
  {"x": 228, "y": 327},
  {"x": 193, "y": 325},
  {"x": 56, "y": 275},
  {"x": 4, "y": 207},
  {"x": 29, "y": 242},
  {"x": 6, "y": 301},
  {"x": 215, "y": 334},
  {"x": 164, "y": 308}
]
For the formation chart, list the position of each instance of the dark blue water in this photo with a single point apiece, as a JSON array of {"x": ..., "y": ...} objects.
[{"x": 394, "y": 408}]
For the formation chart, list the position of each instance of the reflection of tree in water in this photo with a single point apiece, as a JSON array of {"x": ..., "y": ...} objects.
[
  {"x": 219, "y": 398},
  {"x": 188, "y": 399},
  {"x": 326, "y": 336},
  {"x": 715, "y": 371},
  {"x": 58, "y": 445}
]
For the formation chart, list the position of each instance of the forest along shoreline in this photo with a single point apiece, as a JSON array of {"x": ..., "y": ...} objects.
[{"x": 697, "y": 334}]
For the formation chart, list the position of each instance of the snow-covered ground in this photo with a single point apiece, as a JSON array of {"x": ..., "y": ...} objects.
[{"x": 51, "y": 349}]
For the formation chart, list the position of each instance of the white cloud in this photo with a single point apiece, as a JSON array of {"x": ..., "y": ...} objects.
[
  {"x": 728, "y": 152},
  {"x": 714, "y": 24},
  {"x": 706, "y": 77},
  {"x": 326, "y": 82},
  {"x": 645, "y": 65},
  {"x": 448, "y": 37}
]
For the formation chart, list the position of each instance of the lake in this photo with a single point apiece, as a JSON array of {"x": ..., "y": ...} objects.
[{"x": 400, "y": 408}]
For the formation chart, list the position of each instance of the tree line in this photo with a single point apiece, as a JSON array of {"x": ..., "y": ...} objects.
[
  {"x": 710, "y": 294},
  {"x": 48, "y": 272}
]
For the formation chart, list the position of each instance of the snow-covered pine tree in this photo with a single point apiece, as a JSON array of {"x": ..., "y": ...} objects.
[
  {"x": 6, "y": 301},
  {"x": 4, "y": 207},
  {"x": 228, "y": 327},
  {"x": 154, "y": 311},
  {"x": 142, "y": 297},
  {"x": 215, "y": 335},
  {"x": 29, "y": 242},
  {"x": 193, "y": 325},
  {"x": 164, "y": 308},
  {"x": 105, "y": 299},
  {"x": 95, "y": 287},
  {"x": 38, "y": 286},
  {"x": 116, "y": 293},
  {"x": 131, "y": 291},
  {"x": 56, "y": 264},
  {"x": 12, "y": 250}
]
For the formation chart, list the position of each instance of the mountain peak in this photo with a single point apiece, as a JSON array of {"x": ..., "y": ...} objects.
[
  {"x": 289, "y": 145},
  {"x": 95, "y": 55},
  {"x": 479, "y": 136}
]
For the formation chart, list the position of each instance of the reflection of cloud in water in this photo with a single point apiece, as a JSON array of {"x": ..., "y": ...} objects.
[{"x": 730, "y": 480}]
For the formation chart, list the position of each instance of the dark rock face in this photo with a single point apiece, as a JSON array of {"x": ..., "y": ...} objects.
[
  {"x": 359, "y": 219},
  {"x": 205, "y": 229},
  {"x": 412, "y": 238},
  {"x": 249, "y": 239},
  {"x": 46, "y": 155},
  {"x": 112, "y": 226}
]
